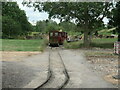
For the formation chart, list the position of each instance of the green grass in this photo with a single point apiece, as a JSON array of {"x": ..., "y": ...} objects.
[
  {"x": 22, "y": 45},
  {"x": 99, "y": 43},
  {"x": 103, "y": 43}
]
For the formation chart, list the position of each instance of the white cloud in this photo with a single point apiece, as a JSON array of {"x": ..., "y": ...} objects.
[
  {"x": 105, "y": 20},
  {"x": 57, "y": 20},
  {"x": 33, "y": 16}
]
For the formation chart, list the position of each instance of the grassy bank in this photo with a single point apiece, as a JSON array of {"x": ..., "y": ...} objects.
[
  {"x": 99, "y": 43},
  {"x": 22, "y": 45}
]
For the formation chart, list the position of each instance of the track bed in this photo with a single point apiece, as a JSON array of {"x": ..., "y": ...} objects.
[{"x": 57, "y": 72}]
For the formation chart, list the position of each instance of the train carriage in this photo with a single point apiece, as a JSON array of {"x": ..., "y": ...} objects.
[{"x": 57, "y": 38}]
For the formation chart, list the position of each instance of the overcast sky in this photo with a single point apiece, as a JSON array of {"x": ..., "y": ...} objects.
[{"x": 34, "y": 16}]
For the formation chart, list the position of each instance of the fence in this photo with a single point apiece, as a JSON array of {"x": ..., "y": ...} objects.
[{"x": 117, "y": 47}]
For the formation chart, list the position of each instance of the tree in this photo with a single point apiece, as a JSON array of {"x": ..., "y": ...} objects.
[
  {"x": 41, "y": 26},
  {"x": 68, "y": 26},
  {"x": 51, "y": 25},
  {"x": 115, "y": 19},
  {"x": 46, "y": 26},
  {"x": 14, "y": 21},
  {"x": 88, "y": 15},
  {"x": 10, "y": 30}
]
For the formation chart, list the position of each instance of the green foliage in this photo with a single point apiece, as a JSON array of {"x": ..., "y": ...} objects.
[
  {"x": 14, "y": 21},
  {"x": 49, "y": 25},
  {"x": 41, "y": 26},
  {"x": 46, "y": 26},
  {"x": 73, "y": 33},
  {"x": 10, "y": 27},
  {"x": 115, "y": 19},
  {"x": 68, "y": 26},
  {"x": 116, "y": 15}
]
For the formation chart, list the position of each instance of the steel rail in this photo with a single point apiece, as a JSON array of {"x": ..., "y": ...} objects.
[{"x": 49, "y": 76}]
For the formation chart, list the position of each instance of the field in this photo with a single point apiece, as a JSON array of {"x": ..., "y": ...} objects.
[{"x": 21, "y": 45}]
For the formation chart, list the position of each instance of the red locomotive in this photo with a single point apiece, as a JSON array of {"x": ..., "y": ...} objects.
[{"x": 57, "y": 38}]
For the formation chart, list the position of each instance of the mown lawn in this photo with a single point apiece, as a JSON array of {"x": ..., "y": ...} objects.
[{"x": 21, "y": 45}]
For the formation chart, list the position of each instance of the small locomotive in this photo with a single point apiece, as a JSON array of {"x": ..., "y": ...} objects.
[{"x": 57, "y": 38}]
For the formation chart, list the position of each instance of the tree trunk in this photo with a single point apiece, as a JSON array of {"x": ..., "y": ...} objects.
[
  {"x": 90, "y": 37},
  {"x": 118, "y": 37},
  {"x": 86, "y": 39},
  {"x": 87, "y": 31}
]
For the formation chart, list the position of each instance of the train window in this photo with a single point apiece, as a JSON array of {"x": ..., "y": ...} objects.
[
  {"x": 65, "y": 34},
  {"x": 62, "y": 34},
  {"x": 51, "y": 34},
  {"x": 56, "y": 34}
]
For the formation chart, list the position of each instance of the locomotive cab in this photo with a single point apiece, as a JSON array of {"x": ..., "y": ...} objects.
[
  {"x": 57, "y": 38},
  {"x": 53, "y": 38}
]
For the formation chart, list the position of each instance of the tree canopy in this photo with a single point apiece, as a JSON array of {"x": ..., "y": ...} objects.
[
  {"x": 46, "y": 25},
  {"x": 115, "y": 19},
  {"x": 87, "y": 15},
  {"x": 49, "y": 25}
]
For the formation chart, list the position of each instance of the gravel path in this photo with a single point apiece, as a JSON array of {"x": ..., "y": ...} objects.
[
  {"x": 104, "y": 63},
  {"x": 28, "y": 73},
  {"x": 81, "y": 76},
  {"x": 15, "y": 75}
]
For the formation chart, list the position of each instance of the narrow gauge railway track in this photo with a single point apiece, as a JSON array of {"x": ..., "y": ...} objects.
[
  {"x": 58, "y": 76},
  {"x": 66, "y": 74}
]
